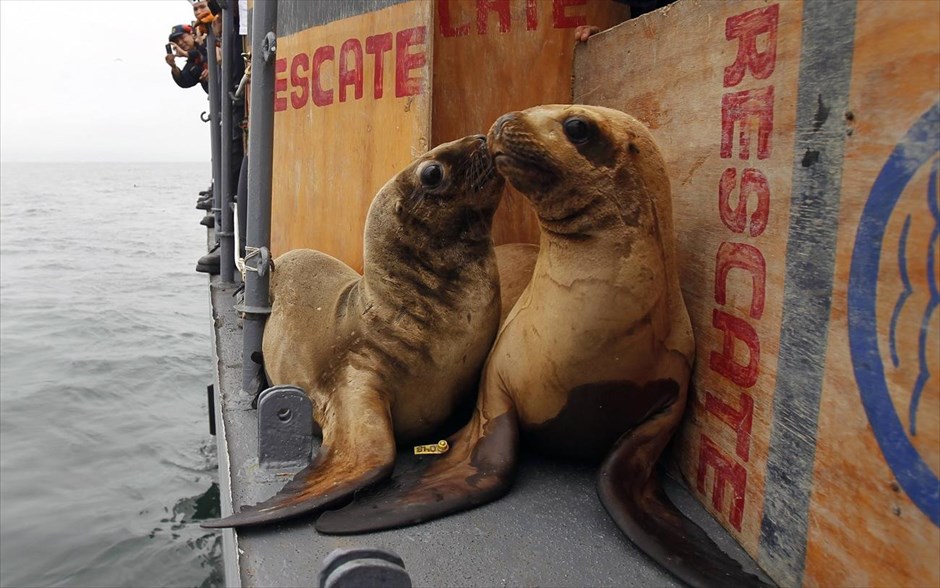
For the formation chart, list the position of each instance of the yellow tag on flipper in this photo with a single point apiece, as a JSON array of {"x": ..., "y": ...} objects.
[{"x": 435, "y": 449}]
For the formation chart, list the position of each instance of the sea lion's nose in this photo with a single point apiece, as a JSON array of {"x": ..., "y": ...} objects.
[{"x": 501, "y": 122}]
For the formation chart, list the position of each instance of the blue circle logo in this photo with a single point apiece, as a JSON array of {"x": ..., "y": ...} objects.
[{"x": 884, "y": 248}]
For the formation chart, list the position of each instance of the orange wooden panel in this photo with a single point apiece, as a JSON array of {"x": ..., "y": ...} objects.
[
  {"x": 866, "y": 527},
  {"x": 811, "y": 257},
  {"x": 493, "y": 57},
  {"x": 671, "y": 78},
  {"x": 340, "y": 130}
]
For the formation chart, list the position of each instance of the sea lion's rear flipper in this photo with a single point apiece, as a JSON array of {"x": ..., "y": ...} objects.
[
  {"x": 476, "y": 470},
  {"x": 358, "y": 450},
  {"x": 632, "y": 494}
]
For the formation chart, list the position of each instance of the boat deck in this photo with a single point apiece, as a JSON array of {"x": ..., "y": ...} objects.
[{"x": 550, "y": 530}]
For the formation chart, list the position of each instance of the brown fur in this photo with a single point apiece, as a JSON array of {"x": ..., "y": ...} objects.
[
  {"x": 515, "y": 262},
  {"x": 598, "y": 346},
  {"x": 386, "y": 356}
]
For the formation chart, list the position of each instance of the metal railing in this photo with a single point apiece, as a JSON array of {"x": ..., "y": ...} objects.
[
  {"x": 215, "y": 131},
  {"x": 256, "y": 306},
  {"x": 225, "y": 229}
]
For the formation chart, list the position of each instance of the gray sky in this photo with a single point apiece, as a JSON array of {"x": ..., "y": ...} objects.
[{"x": 87, "y": 81}]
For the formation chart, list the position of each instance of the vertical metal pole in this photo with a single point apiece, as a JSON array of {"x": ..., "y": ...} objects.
[
  {"x": 260, "y": 159},
  {"x": 214, "y": 128},
  {"x": 225, "y": 230},
  {"x": 242, "y": 192}
]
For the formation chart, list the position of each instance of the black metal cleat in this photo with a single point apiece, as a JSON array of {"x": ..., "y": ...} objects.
[{"x": 363, "y": 566}]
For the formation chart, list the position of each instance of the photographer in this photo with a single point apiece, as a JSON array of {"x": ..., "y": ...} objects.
[{"x": 184, "y": 44}]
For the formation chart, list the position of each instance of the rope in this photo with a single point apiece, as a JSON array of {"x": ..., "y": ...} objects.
[
  {"x": 243, "y": 263},
  {"x": 240, "y": 265}
]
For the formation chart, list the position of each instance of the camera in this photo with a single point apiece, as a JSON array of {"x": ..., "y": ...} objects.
[{"x": 169, "y": 48}]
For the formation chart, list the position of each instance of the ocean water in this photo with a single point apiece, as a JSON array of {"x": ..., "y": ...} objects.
[{"x": 106, "y": 463}]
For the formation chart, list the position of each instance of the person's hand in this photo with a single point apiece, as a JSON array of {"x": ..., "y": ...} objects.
[
  {"x": 582, "y": 33},
  {"x": 171, "y": 60},
  {"x": 204, "y": 75}
]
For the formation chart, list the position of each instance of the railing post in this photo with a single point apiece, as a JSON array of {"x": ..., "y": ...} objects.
[
  {"x": 225, "y": 229},
  {"x": 260, "y": 159},
  {"x": 214, "y": 128}
]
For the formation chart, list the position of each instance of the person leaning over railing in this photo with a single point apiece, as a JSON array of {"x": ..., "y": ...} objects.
[
  {"x": 184, "y": 44},
  {"x": 203, "y": 13},
  {"x": 206, "y": 13}
]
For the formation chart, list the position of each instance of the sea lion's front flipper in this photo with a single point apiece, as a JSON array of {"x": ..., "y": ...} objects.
[
  {"x": 632, "y": 494},
  {"x": 476, "y": 470},
  {"x": 358, "y": 450}
]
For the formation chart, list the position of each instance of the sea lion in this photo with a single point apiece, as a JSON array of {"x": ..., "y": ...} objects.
[
  {"x": 594, "y": 359},
  {"x": 386, "y": 356},
  {"x": 515, "y": 262}
]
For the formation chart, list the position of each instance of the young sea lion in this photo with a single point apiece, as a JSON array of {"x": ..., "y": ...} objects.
[
  {"x": 595, "y": 357},
  {"x": 386, "y": 356},
  {"x": 515, "y": 262}
]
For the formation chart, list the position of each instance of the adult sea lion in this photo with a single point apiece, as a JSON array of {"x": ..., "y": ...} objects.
[
  {"x": 515, "y": 262},
  {"x": 386, "y": 356},
  {"x": 595, "y": 357}
]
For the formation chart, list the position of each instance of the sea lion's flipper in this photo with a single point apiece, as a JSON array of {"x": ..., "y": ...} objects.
[
  {"x": 358, "y": 450},
  {"x": 631, "y": 492},
  {"x": 476, "y": 470}
]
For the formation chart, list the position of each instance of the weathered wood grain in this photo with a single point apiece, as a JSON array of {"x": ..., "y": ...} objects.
[
  {"x": 860, "y": 502},
  {"x": 481, "y": 59},
  {"x": 786, "y": 441}
]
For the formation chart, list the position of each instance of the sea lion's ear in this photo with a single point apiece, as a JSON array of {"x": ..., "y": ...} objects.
[
  {"x": 398, "y": 207},
  {"x": 632, "y": 148}
]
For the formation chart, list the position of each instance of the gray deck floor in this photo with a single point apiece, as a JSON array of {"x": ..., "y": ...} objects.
[{"x": 550, "y": 530}]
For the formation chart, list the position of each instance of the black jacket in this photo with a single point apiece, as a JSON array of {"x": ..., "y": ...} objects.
[{"x": 196, "y": 62}]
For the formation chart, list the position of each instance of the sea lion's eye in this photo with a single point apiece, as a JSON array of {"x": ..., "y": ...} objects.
[
  {"x": 577, "y": 130},
  {"x": 432, "y": 175}
]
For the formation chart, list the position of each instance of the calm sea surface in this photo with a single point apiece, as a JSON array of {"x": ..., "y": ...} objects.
[{"x": 105, "y": 457}]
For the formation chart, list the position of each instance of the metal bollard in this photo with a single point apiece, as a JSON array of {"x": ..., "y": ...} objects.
[
  {"x": 363, "y": 567},
  {"x": 285, "y": 427}
]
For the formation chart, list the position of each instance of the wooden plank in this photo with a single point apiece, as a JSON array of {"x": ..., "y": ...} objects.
[
  {"x": 672, "y": 78},
  {"x": 331, "y": 158},
  {"x": 340, "y": 130},
  {"x": 493, "y": 57},
  {"x": 875, "y": 484},
  {"x": 785, "y": 440}
]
